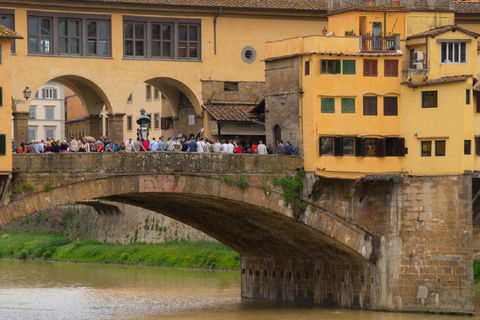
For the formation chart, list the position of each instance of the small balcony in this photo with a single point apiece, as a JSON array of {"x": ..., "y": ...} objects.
[
  {"x": 415, "y": 70},
  {"x": 380, "y": 44}
]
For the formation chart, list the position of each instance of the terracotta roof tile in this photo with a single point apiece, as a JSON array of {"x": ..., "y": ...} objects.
[
  {"x": 7, "y": 33},
  {"x": 251, "y": 4},
  {"x": 233, "y": 112},
  {"x": 436, "y": 31},
  {"x": 441, "y": 80},
  {"x": 465, "y": 7}
]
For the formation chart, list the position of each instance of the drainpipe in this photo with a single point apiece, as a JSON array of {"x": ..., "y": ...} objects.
[{"x": 215, "y": 31}]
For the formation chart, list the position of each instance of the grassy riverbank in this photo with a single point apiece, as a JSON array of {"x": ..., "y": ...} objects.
[{"x": 199, "y": 254}]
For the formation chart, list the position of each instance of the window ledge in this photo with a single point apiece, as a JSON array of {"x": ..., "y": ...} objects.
[
  {"x": 67, "y": 56},
  {"x": 432, "y": 138}
]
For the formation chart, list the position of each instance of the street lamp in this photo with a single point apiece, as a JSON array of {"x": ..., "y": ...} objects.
[{"x": 27, "y": 93}]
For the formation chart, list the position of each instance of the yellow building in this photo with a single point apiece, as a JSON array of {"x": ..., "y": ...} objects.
[{"x": 388, "y": 90}]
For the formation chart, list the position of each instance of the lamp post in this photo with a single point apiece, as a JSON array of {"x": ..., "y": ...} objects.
[
  {"x": 143, "y": 120},
  {"x": 27, "y": 93}
]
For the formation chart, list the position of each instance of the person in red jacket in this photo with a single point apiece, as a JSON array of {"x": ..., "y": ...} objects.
[{"x": 146, "y": 145}]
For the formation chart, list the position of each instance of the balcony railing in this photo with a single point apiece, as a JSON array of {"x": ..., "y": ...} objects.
[
  {"x": 378, "y": 44},
  {"x": 414, "y": 68}
]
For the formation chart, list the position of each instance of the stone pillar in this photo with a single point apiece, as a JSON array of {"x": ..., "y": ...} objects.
[
  {"x": 115, "y": 126},
  {"x": 20, "y": 127},
  {"x": 93, "y": 126}
]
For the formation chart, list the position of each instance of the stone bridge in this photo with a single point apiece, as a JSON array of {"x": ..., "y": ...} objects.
[{"x": 373, "y": 243}]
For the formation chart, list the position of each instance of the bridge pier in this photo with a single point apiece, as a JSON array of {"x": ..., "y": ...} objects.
[
  {"x": 20, "y": 127},
  {"x": 115, "y": 127}
]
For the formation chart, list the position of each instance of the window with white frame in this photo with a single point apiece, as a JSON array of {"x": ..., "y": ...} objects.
[
  {"x": 454, "y": 52},
  {"x": 49, "y": 93},
  {"x": 33, "y": 112},
  {"x": 32, "y": 133},
  {"x": 49, "y": 113},
  {"x": 191, "y": 119},
  {"x": 50, "y": 132}
]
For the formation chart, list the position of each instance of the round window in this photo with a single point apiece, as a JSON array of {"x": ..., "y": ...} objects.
[{"x": 249, "y": 54}]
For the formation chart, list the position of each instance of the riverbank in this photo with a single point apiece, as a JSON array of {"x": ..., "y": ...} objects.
[{"x": 198, "y": 254}]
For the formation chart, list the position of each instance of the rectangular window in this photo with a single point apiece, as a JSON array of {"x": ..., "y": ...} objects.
[
  {"x": 49, "y": 93},
  {"x": 369, "y": 106},
  {"x": 134, "y": 39},
  {"x": 230, "y": 87},
  {"x": 370, "y": 67},
  {"x": 148, "y": 92},
  {"x": 391, "y": 68},
  {"x": 348, "y": 105},
  {"x": 477, "y": 146},
  {"x": 426, "y": 148},
  {"x": 191, "y": 119},
  {"x": 156, "y": 94},
  {"x": 69, "y": 37},
  {"x": 49, "y": 113},
  {"x": 33, "y": 112},
  {"x": 429, "y": 99},
  {"x": 348, "y": 146},
  {"x": 370, "y": 147},
  {"x": 390, "y": 106},
  {"x": 68, "y": 34},
  {"x": 188, "y": 43},
  {"x": 7, "y": 19},
  {"x": 3, "y": 144},
  {"x": 467, "y": 96},
  {"x": 467, "y": 147},
  {"x": 328, "y": 105},
  {"x": 149, "y": 124},
  {"x": 330, "y": 66},
  {"x": 156, "y": 121},
  {"x": 129, "y": 123},
  {"x": 453, "y": 52},
  {"x": 32, "y": 133},
  {"x": 307, "y": 67},
  {"x": 326, "y": 146},
  {"x": 50, "y": 132},
  {"x": 440, "y": 148},
  {"x": 1, "y": 96},
  {"x": 349, "y": 67},
  {"x": 162, "y": 40}
]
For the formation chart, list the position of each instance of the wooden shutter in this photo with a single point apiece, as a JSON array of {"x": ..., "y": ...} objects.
[
  {"x": 44, "y": 93},
  {"x": 374, "y": 64},
  {"x": 381, "y": 148},
  {"x": 307, "y": 67},
  {"x": 320, "y": 146},
  {"x": 338, "y": 66},
  {"x": 322, "y": 67},
  {"x": 3, "y": 144},
  {"x": 369, "y": 106},
  {"x": 338, "y": 146},
  {"x": 54, "y": 93},
  {"x": 349, "y": 67},
  {"x": 370, "y": 67},
  {"x": 358, "y": 147},
  {"x": 390, "y": 106},
  {"x": 1, "y": 96},
  {"x": 477, "y": 146},
  {"x": 348, "y": 105},
  {"x": 400, "y": 146},
  {"x": 163, "y": 122},
  {"x": 391, "y": 68},
  {"x": 328, "y": 105}
]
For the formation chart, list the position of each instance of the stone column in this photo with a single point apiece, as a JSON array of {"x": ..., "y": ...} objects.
[
  {"x": 20, "y": 127},
  {"x": 93, "y": 126},
  {"x": 115, "y": 127}
]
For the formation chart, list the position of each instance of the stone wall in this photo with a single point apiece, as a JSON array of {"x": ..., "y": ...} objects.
[
  {"x": 138, "y": 224},
  {"x": 282, "y": 79},
  {"x": 248, "y": 92}
]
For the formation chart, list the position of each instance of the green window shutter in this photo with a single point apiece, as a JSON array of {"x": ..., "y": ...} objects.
[
  {"x": 1, "y": 97},
  {"x": 328, "y": 105},
  {"x": 349, "y": 67},
  {"x": 3, "y": 144},
  {"x": 322, "y": 66},
  {"x": 358, "y": 147},
  {"x": 320, "y": 146},
  {"x": 338, "y": 146},
  {"x": 348, "y": 105},
  {"x": 338, "y": 66},
  {"x": 0, "y": 53}
]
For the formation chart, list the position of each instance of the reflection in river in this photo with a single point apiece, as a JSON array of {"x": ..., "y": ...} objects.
[{"x": 50, "y": 290}]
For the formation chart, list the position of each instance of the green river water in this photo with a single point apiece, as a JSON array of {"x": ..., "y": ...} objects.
[{"x": 56, "y": 290}]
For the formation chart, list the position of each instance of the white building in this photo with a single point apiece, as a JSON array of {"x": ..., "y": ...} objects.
[{"x": 47, "y": 113}]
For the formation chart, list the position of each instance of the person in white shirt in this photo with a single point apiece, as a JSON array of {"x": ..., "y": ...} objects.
[
  {"x": 218, "y": 146},
  {"x": 262, "y": 149},
  {"x": 230, "y": 147},
  {"x": 200, "y": 145},
  {"x": 153, "y": 145},
  {"x": 224, "y": 147},
  {"x": 129, "y": 145}
]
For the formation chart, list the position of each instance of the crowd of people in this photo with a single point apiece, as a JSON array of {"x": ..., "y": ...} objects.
[{"x": 192, "y": 144}]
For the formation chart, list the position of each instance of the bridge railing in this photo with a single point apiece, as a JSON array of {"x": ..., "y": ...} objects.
[{"x": 153, "y": 162}]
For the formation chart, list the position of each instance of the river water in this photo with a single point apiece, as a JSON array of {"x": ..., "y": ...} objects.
[{"x": 56, "y": 290}]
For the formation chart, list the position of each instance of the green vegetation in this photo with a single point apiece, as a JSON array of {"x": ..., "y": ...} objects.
[
  {"x": 177, "y": 177},
  {"x": 16, "y": 188},
  {"x": 29, "y": 187},
  {"x": 476, "y": 270},
  {"x": 230, "y": 180},
  {"x": 291, "y": 192},
  {"x": 199, "y": 254},
  {"x": 47, "y": 187},
  {"x": 266, "y": 188}
]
